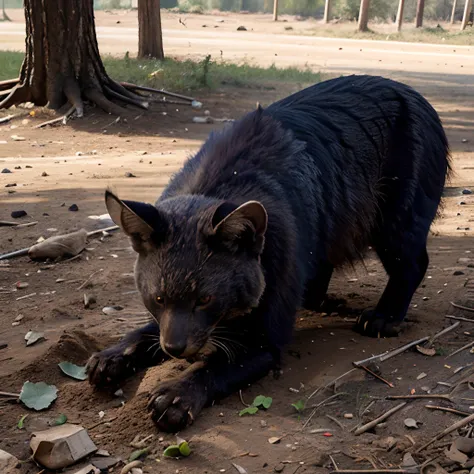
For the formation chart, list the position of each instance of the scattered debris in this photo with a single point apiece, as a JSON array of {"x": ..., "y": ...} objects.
[
  {"x": 129, "y": 175},
  {"x": 363, "y": 367},
  {"x": 32, "y": 337},
  {"x": 112, "y": 309},
  {"x": 8, "y": 462},
  {"x": 38, "y": 396},
  {"x": 131, "y": 465},
  {"x": 89, "y": 300},
  {"x": 378, "y": 420},
  {"x": 59, "y": 246},
  {"x": 241, "y": 28},
  {"x": 240, "y": 469},
  {"x": 18, "y": 214},
  {"x": 73, "y": 208},
  {"x": 275, "y": 439},
  {"x": 411, "y": 423},
  {"x": 61, "y": 446},
  {"x": 72, "y": 370}
]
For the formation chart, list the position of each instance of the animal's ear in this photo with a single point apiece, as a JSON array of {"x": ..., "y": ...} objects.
[
  {"x": 242, "y": 227},
  {"x": 142, "y": 222}
]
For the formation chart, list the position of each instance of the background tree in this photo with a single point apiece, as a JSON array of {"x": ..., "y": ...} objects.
[
  {"x": 453, "y": 12},
  {"x": 62, "y": 62},
  {"x": 399, "y": 20},
  {"x": 364, "y": 15},
  {"x": 275, "y": 10},
  {"x": 327, "y": 11},
  {"x": 420, "y": 8},
  {"x": 150, "y": 39},
  {"x": 5, "y": 17},
  {"x": 466, "y": 14}
]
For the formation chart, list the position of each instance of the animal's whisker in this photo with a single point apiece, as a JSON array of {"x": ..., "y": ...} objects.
[
  {"x": 224, "y": 348},
  {"x": 154, "y": 345},
  {"x": 230, "y": 341}
]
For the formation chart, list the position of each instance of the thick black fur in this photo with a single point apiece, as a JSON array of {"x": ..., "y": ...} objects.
[{"x": 349, "y": 163}]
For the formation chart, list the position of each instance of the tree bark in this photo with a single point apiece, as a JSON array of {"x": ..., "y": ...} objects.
[
  {"x": 453, "y": 11},
  {"x": 364, "y": 15},
  {"x": 327, "y": 11},
  {"x": 399, "y": 21},
  {"x": 150, "y": 40},
  {"x": 467, "y": 12},
  {"x": 420, "y": 8},
  {"x": 5, "y": 17},
  {"x": 62, "y": 62},
  {"x": 275, "y": 10}
]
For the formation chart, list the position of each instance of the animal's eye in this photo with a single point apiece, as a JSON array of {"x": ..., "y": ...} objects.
[
  {"x": 160, "y": 300},
  {"x": 204, "y": 300}
]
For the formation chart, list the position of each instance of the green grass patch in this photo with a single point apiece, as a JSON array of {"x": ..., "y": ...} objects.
[
  {"x": 433, "y": 35},
  {"x": 185, "y": 75}
]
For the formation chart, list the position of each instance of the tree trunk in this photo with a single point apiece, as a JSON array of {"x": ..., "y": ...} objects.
[
  {"x": 467, "y": 12},
  {"x": 399, "y": 21},
  {"x": 327, "y": 11},
  {"x": 420, "y": 8},
  {"x": 62, "y": 62},
  {"x": 364, "y": 15},
  {"x": 275, "y": 10},
  {"x": 453, "y": 12},
  {"x": 5, "y": 17},
  {"x": 150, "y": 40}
]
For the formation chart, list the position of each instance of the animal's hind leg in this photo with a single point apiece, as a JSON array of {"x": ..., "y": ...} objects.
[
  {"x": 317, "y": 287},
  {"x": 406, "y": 260}
]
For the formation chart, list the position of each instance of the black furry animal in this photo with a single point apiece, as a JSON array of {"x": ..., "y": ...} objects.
[{"x": 253, "y": 225}]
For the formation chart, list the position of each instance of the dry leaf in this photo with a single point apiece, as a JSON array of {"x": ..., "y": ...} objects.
[
  {"x": 455, "y": 455},
  {"x": 411, "y": 423},
  {"x": 274, "y": 440},
  {"x": 421, "y": 376},
  {"x": 240, "y": 469},
  {"x": 427, "y": 351}
]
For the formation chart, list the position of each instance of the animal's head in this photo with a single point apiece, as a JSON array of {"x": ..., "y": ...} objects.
[{"x": 198, "y": 265}]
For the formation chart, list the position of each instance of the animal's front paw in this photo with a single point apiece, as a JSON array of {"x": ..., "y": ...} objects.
[
  {"x": 175, "y": 403},
  {"x": 110, "y": 367},
  {"x": 373, "y": 324}
]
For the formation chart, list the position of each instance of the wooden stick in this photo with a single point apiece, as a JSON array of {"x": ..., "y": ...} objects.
[
  {"x": 320, "y": 404},
  {"x": 89, "y": 279},
  {"x": 463, "y": 348},
  {"x": 378, "y": 420},
  {"x": 460, "y": 318},
  {"x": 449, "y": 410},
  {"x": 9, "y": 394},
  {"x": 450, "y": 429},
  {"x": 442, "y": 333},
  {"x": 416, "y": 397},
  {"x": 331, "y": 383},
  {"x": 363, "y": 367},
  {"x": 464, "y": 308},
  {"x": 127, "y": 85},
  {"x": 388, "y": 355},
  {"x": 338, "y": 423},
  {"x": 63, "y": 118},
  {"x": 6, "y": 118}
]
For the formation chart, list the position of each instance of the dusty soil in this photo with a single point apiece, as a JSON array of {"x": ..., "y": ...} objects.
[{"x": 84, "y": 157}]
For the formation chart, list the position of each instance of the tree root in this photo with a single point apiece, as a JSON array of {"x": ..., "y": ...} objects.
[
  {"x": 9, "y": 83},
  {"x": 123, "y": 98},
  {"x": 105, "y": 104},
  {"x": 73, "y": 94},
  {"x": 18, "y": 95},
  {"x": 63, "y": 118}
]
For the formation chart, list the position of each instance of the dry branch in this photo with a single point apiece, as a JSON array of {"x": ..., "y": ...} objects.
[
  {"x": 63, "y": 118},
  {"x": 448, "y": 410},
  {"x": 464, "y": 308}
]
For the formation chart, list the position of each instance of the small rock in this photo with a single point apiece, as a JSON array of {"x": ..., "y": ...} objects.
[
  {"x": 6, "y": 170},
  {"x": 44, "y": 174},
  {"x": 279, "y": 468},
  {"x": 73, "y": 208},
  {"x": 112, "y": 309},
  {"x": 129, "y": 175},
  {"x": 18, "y": 167},
  {"x": 28, "y": 166},
  {"x": 17, "y": 138},
  {"x": 288, "y": 28},
  {"x": 17, "y": 214},
  {"x": 10, "y": 185},
  {"x": 348, "y": 416},
  {"x": 464, "y": 140},
  {"x": 241, "y": 28},
  {"x": 263, "y": 423},
  {"x": 21, "y": 285},
  {"x": 465, "y": 445},
  {"x": 455, "y": 273},
  {"x": 89, "y": 300},
  {"x": 466, "y": 191}
]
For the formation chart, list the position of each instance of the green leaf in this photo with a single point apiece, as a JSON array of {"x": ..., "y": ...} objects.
[
  {"x": 172, "y": 451},
  {"x": 184, "y": 449},
  {"x": 60, "y": 420},
  {"x": 267, "y": 402},
  {"x": 138, "y": 454},
  {"x": 299, "y": 406},
  {"x": 38, "y": 395},
  {"x": 21, "y": 423},
  {"x": 73, "y": 370},
  {"x": 258, "y": 400},
  {"x": 251, "y": 410}
]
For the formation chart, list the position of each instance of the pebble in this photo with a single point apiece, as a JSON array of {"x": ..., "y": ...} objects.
[
  {"x": 73, "y": 208},
  {"x": 17, "y": 214},
  {"x": 44, "y": 174},
  {"x": 6, "y": 170},
  {"x": 348, "y": 416},
  {"x": 18, "y": 167},
  {"x": 129, "y": 175},
  {"x": 10, "y": 185},
  {"x": 111, "y": 309},
  {"x": 466, "y": 191},
  {"x": 241, "y": 28},
  {"x": 456, "y": 273}
]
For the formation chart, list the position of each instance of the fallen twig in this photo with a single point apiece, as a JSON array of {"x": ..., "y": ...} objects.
[
  {"x": 128, "y": 467},
  {"x": 442, "y": 333},
  {"x": 242, "y": 399},
  {"x": 319, "y": 405},
  {"x": 464, "y": 308},
  {"x": 378, "y": 420},
  {"x": 26, "y": 224},
  {"x": 338, "y": 423},
  {"x": 450, "y": 429},
  {"x": 388, "y": 355},
  {"x": 460, "y": 318},
  {"x": 156, "y": 91},
  {"x": 333, "y": 463},
  {"x": 331, "y": 383},
  {"x": 9, "y": 395},
  {"x": 449, "y": 410},
  {"x": 6, "y": 119},
  {"x": 363, "y": 367},
  {"x": 463, "y": 348},
  {"x": 415, "y": 397},
  {"x": 63, "y": 118},
  {"x": 89, "y": 279},
  {"x": 101, "y": 422}
]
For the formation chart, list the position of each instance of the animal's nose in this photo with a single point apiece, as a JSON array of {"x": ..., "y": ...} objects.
[{"x": 174, "y": 350}]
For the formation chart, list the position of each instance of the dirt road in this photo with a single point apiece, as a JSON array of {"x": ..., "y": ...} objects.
[{"x": 53, "y": 168}]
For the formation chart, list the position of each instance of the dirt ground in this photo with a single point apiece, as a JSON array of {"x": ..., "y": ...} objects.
[{"x": 55, "y": 167}]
